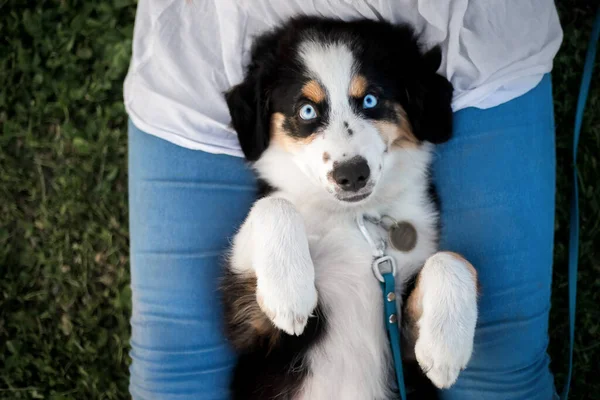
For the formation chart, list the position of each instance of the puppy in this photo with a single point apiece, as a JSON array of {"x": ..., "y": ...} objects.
[{"x": 338, "y": 119}]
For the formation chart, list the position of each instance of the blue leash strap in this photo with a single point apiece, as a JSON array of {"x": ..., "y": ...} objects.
[
  {"x": 391, "y": 323},
  {"x": 574, "y": 223},
  {"x": 384, "y": 269}
]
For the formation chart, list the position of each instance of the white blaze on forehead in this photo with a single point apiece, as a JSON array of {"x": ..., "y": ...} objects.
[{"x": 333, "y": 65}]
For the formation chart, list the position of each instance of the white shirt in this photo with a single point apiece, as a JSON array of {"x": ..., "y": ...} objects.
[{"x": 186, "y": 53}]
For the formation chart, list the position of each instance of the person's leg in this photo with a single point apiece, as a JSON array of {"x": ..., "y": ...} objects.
[
  {"x": 496, "y": 181},
  {"x": 184, "y": 206}
]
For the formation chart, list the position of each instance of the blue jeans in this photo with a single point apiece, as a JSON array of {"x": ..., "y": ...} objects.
[{"x": 496, "y": 181}]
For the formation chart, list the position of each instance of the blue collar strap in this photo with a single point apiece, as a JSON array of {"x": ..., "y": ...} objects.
[{"x": 574, "y": 223}]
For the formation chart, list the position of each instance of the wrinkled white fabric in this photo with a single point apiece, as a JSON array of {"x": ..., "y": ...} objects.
[{"x": 186, "y": 53}]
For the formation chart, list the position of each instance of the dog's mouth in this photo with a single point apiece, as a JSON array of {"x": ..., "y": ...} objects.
[{"x": 354, "y": 198}]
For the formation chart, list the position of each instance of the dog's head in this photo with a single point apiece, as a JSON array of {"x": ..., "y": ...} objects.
[{"x": 334, "y": 105}]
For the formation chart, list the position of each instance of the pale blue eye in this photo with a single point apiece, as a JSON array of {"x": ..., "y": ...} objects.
[
  {"x": 369, "y": 101},
  {"x": 308, "y": 112}
]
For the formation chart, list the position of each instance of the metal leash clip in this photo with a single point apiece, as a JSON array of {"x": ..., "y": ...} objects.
[{"x": 384, "y": 265}]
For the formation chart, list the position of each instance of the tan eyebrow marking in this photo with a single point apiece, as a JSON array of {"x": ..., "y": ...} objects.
[
  {"x": 358, "y": 86},
  {"x": 313, "y": 91}
]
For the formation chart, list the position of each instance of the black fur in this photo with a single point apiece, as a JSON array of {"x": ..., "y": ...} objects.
[
  {"x": 264, "y": 373},
  {"x": 271, "y": 363},
  {"x": 264, "y": 188},
  {"x": 418, "y": 386},
  {"x": 248, "y": 101},
  {"x": 434, "y": 198}
]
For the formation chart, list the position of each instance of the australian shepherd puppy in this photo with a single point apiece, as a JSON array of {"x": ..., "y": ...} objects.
[{"x": 339, "y": 120}]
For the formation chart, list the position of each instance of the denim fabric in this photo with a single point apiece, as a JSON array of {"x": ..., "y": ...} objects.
[{"x": 496, "y": 181}]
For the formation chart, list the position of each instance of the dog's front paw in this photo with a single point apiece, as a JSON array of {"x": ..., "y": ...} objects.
[
  {"x": 288, "y": 306},
  {"x": 447, "y": 324}
]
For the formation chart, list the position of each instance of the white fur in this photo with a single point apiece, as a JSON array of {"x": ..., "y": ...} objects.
[
  {"x": 272, "y": 242},
  {"x": 353, "y": 360},
  {"x": 447, "y": 325},
  {"x": 303, "y": 236},
  {"x": 333, "y": 65}
]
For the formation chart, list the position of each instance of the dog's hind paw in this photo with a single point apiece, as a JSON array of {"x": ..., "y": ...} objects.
[{"x": 447, "y": 324}]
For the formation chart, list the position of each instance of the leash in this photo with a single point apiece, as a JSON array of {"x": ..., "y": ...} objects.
[
  {"x": 384, "y": 269},
  {"x": 574, "y": 223}
]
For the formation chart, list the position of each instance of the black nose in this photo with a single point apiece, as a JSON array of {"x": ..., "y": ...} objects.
[{"x": 352, "y": 175}]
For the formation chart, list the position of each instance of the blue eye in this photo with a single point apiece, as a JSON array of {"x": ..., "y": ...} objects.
[
  {"x": 308, "y": 112},
  {"x": 369, "y": 101}
]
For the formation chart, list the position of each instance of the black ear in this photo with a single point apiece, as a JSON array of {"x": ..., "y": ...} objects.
[
  {"x": 433, "y": 58},
  {"x": 431, "y": 102},
  {"x": 249, "y": 116},
  {"x": 248, "y": 102}
]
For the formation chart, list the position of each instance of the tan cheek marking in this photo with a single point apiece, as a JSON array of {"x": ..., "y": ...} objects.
[
  {"x": 313, "y": 91},
  {"x": 394, "y": 136},
  {"x": 326, "y": 157},
  {"x": 358, "y": 86},
  {"x": 281, "y": 137},
  {"x": 398, "y": 133}
]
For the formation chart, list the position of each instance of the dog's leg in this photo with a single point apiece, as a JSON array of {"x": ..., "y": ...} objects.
[
  {"x": 271, "y": 250},
  {"x": 442, "y": 313}
]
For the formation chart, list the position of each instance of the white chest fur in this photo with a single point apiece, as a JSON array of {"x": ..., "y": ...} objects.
[{"x": 353, "y": 360}]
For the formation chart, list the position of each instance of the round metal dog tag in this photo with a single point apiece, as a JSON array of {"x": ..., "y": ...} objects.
[{"x": 403, "y": 236}]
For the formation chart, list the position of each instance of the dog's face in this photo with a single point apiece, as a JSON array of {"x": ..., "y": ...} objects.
[{"x": 336, "y": 100}]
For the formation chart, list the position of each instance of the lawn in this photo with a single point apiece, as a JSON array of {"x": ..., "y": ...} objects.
[{"x": 64, "y": 266}]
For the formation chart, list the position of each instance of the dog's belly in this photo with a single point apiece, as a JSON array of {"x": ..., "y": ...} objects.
[{"x": 352, "y": 361}]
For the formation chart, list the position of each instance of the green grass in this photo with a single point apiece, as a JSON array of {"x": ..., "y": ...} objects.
[
  {"x": 64, "y": 295},
  {"x": 577, "y": 18}
]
